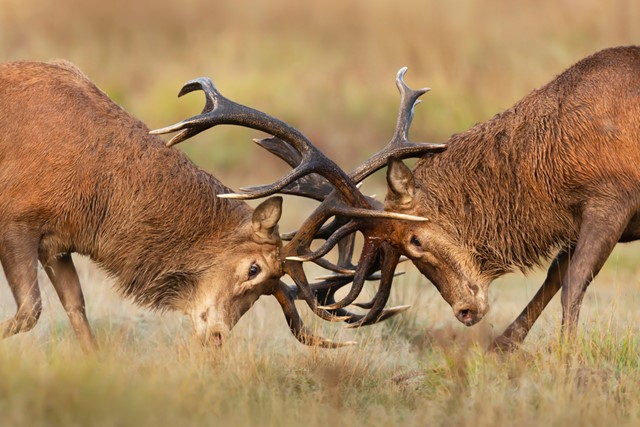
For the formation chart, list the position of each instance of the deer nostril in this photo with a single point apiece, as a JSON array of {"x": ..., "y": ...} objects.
[
  {"x": 216, "y": 339},
  {"x": 467, "y": 316}
]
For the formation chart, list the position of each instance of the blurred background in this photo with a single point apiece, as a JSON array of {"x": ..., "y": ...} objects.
[{"x": 326, "y": 67}]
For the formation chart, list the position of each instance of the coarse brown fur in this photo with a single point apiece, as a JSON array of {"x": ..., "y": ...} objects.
[
  {"x": 561, "y": 164},
  {"x": 79, "y": 174}
]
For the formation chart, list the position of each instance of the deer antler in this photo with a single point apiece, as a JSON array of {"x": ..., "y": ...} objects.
[
  {"x": 284, "y": 297},
  {"x": 316, "y": 176}
]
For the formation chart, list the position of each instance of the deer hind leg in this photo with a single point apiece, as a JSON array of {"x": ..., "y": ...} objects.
[
  {"x": 19, "y": 258},
  {"x": 599, "y": 232},
  {"x": 515, "y": 334},
  {"x": 64, "y": 278}
]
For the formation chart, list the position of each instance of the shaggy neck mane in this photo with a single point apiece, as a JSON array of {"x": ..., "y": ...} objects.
[
  {"x": 152, "y": 207},
  {"x": 492, "y": 189}
]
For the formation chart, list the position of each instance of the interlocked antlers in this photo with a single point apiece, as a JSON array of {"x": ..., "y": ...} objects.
[{"x": 316, "y": 176}]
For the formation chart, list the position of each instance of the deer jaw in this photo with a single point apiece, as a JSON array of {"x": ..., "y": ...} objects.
[
  {"x": 452, "y": 271},
  {"x": 451, "y": 267}
]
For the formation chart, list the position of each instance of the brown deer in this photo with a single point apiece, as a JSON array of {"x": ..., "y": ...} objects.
[
  {"x": 558, "y": 173},
  {"x": 79, "y": 174}
]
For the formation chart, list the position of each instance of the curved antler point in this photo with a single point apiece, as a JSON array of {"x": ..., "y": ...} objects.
[{"x": 232, "y": 196}]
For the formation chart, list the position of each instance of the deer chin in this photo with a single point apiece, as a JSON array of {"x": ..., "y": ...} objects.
[{"x": 468, "y": 298}]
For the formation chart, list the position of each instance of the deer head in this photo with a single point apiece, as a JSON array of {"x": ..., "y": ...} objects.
[
  {"x": 228, "y": 289},
  {"x": 450, "y": 266}
]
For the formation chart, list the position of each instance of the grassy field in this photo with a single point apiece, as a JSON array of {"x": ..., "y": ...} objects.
[
  {"x": 328, "y": 68},
  {"x": 421, "y": 369}
]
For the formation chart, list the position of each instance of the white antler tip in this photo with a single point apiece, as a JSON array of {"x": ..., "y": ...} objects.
[{"x": 231, "y": 196}]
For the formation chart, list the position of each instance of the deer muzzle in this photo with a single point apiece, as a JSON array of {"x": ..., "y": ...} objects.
[
  {"x": 470, "y": 313},
  {"x": 211, "y": 332}
]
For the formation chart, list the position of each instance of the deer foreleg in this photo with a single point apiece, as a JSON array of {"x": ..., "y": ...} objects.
[
  {"x": 518, "y": 330},
  {"x": 64, "y": 278},
  {"x": 600, "y": 230}
]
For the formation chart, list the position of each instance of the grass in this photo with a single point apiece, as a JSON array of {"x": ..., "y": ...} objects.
[
  {"x": 420, "y": 368},
  {"x": 328, "y": 68}
]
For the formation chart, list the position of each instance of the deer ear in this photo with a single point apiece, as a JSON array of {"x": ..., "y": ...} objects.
[
  {"x": 401, "y": 185},
  {"x": 266, "y": 216}
]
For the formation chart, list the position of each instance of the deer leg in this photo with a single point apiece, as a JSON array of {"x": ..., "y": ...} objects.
[
  {"x": 599, "y": 232},
  {"x": 518, "y": 330},
  {"x": 19, "y": 258},
  {"x": 64, "y": 278}
]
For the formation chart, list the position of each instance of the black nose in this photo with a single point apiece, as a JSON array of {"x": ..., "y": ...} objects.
[{"x": 468, "y": 316}]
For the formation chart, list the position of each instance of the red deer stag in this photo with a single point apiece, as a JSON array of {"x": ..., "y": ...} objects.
[
  {"x": 558, "y": 173},
  {"x": 79, "y": 174}
]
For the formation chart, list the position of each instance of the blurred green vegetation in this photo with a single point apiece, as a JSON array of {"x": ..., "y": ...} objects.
[{"x": 325, "y": 67}]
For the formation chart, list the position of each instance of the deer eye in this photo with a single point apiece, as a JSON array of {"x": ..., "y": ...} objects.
[
  {"x": 415, "y": 241},
  {"x": 254, "y": 270}
]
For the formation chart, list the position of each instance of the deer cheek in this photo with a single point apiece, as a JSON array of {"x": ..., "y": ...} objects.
[{"x": 431, "y": 259}]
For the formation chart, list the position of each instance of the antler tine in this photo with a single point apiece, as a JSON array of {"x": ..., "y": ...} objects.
[
  {"x": 408, "y": 101},
  {"x": 332, "y": 283},
  {"x": 344, "y": 272},
  {"x": 346, "y": 247},
  {"x": 399, "y": 146},
  {"x": 312, "y": 186},
  {"x": 281, "y": 149},
  {"x": 325, "y": 293},
  {"x": 390, "y": 258},
  {"x": 296, "y": 272},
  {"x": 344, "y": 269},
  {"x": 328, "y": 265},
  {"x": 286, "y": 301},
  {"x": 367, "y": 260},
  {"x": 194, "y": 125},
  {"x": 370, "y": 278},
  {"x": 333, "y": 240},
  {"x": 357, "y": 321},
  {"x": 323, "y": 233},
  {"x": 348, "y": 228},
  {"x": 354, "y": 318},
  {"x": 305, "y": 168}
]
